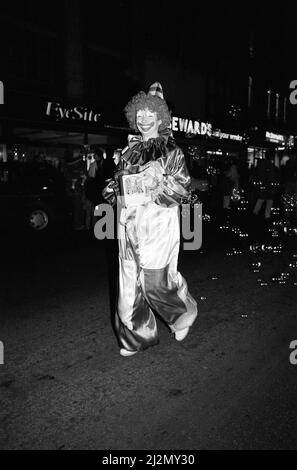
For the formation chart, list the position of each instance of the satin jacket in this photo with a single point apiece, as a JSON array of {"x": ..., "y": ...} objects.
[{"x": 176, "y": 182}]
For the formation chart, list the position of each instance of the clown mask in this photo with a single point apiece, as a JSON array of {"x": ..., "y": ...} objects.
[{"x": 148, "y": 123}]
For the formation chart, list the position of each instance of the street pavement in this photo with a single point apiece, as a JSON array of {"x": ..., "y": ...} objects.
[{"x": 228, "y": 385}]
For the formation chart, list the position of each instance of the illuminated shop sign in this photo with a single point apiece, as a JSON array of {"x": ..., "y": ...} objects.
[
  {"x": 276, "y": 138},
  {"x": 77, "y": 113},
  {"x": 188, "y": 126},
  {"x": 287, "y": 141},
  {"x": 223, "y": 135}
]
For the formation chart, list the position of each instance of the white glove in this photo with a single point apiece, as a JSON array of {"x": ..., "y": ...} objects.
[{"x": 152, "y": 174}]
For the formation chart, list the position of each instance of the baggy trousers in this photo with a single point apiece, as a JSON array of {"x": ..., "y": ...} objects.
[{"x": 149, "y": 239}]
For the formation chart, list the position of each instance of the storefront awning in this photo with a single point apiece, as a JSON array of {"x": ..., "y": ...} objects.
[{"x": 54, "y": 137}]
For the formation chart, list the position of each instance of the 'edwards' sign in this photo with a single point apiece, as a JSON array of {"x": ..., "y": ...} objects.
[{"x": 188, "y": 126}]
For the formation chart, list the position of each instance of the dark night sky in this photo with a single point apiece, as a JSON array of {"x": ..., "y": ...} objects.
[
  {"x": 204, "y": 37},
  {"x": 193, "y": 30},
  {"x": 210, "y": 26}
]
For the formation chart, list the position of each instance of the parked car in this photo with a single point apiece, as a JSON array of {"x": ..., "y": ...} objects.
[{"x": 33, "y": 197}]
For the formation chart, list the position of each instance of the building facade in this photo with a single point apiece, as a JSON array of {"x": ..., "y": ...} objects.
[{"x": 69, "y": 69}]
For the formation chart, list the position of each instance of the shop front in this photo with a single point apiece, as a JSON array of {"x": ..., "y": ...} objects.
[
  {"x": 36, "y": 127},
  {"x": 210, "y": 151},
  {"x": 69, "y": 136},
  {"x": 208, "y": 148},
  {"x": 281, "y": 146}
]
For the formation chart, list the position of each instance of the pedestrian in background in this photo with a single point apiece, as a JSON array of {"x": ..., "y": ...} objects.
[
  {"x": 289, "y": 180},
  {"x": 117, "y": 157},
  {"x": 266, "y": 179},
  {"x": 229, "y": 181},
  {"x": 75, "y": 172}
]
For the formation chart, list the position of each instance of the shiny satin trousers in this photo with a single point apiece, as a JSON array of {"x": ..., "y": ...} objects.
[{"x": 149, "y": 239}]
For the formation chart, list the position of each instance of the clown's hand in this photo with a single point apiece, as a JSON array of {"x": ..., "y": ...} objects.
[
  {"x": 120, "y": 173},
  {"x": 152, "y": 175},
  {"x": 111, "y": 191}
]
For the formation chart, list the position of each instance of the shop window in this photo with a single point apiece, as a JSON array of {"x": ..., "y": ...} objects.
[
  {"x": 254, "y": 155},
  {"x": 5, "y": 180},
  {"x": 3, "y": 176}
]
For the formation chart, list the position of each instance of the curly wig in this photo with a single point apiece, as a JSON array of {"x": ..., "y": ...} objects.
[{"x": 153, "y": 103}]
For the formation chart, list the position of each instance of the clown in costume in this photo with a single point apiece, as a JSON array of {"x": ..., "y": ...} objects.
[{"x": 149, "y": 233}]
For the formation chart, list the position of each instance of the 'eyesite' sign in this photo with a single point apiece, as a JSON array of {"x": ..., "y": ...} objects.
[{"x": 78, "y": 113}]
